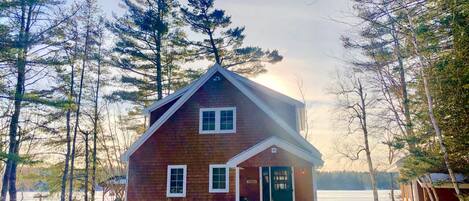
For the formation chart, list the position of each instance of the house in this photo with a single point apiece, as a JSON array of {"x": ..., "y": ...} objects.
[
  {"x": 418, "y": 190},
  {"x": 434, "y": 184},
  {"x": 223, "y": 137}
]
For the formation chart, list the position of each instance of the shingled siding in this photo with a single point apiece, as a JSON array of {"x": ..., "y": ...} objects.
[
  {"x": 178, "y": 142},
  {"x": 302, "y": 172}
]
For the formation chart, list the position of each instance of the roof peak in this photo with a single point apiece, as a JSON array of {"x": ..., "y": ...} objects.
[
  {"x": 218, "y": 68},
  {"x": 194, "y": 87}
]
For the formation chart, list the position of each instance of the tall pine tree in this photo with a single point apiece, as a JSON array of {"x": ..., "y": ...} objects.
[
  {"x": 148, "y": 52},
  {"x": 223, "y": 43}
]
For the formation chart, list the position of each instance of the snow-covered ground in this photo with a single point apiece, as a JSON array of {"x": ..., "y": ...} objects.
[{"x": 322, "y": 196}]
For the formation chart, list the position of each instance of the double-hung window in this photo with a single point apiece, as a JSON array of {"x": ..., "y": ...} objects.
[
  {"x": 176, "y": 181},
  {"x": 217, "y": 120},
  {"x": 219, "y": 179}
]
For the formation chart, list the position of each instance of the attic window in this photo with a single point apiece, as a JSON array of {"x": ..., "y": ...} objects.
[{"x": 217, "y": 120}]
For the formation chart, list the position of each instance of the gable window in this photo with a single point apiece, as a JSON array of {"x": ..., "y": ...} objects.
[
  {"x": 176, "y": 181},
  {"x": 218, "y": 179},
  {"x": 217, "y": 120},
  {"x": 208, "y": 120}
]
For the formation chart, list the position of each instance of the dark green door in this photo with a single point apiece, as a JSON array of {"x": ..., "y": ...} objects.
[{"x": 281, "y": 181}]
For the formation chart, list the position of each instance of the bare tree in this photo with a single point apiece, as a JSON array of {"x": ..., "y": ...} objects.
[
  {"x": 355, "y": 103},
  {"x": 71, "y": 52},
  {"x": 96, "y": 116},
  {"x": 306, "y": 124},
  {"x": 88, "y": 15}
]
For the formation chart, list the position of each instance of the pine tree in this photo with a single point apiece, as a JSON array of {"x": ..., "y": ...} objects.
[
  {"x": 222, "y": 43},
  {"x": 148, "y": 52},
  {"x": 31, "y": 25}
]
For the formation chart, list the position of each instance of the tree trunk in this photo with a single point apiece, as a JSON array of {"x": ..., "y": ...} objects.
[
  {"x": 426, "y": 189},
  {"x": 159, "y": 83},
  {"x": 403, "y": 82},
  {"x": 95, "y": 124},
  {"x": 9, "y": 175},
  {"x": 392, "y": 186},
  {"x": 87, "y": 164},
  {"x": 159, "y": 86},
  {"x": 363, "y": 121},
  {"x": 77, "y": 115},
  {"x": 68, "y": 120},
  {"x": 428, "y": 95},
  {"x": 214, "y": 48},
  {"x": 430, "y": 185}
]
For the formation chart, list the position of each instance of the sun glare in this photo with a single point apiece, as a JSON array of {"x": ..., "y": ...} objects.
[{"x": 274, "y": 83}]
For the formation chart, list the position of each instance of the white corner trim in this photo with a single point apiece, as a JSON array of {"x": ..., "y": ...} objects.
[
  {"x": 314, "y": 182},
  {"x": 127, "y": 180},
  {"x": 227, "y": 179},
  {"x": 193, "y": 88},
  {"x": 168, "y": 181},
  {"x": 272, "y": 141}
]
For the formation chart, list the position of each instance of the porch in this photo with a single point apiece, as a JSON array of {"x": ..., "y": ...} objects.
[{"x": 274, "y": 170}]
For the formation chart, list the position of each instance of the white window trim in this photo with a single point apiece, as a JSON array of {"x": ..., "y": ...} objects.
[
  {"x": 168, "y": 181},
  {"x": 227, "y": 179},
  {"x": 217, "y": 120}
]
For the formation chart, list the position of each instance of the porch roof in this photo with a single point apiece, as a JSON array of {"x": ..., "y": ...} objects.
[{"x": 275, "y": 141}]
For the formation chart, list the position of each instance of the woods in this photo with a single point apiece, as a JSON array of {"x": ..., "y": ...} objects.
[
  {"x": 74, "y": 83},
  {"x": 71, "y": 97},
  {"x": 408, "y": 54}
]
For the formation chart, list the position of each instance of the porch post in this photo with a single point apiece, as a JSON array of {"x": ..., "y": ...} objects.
[
  {"x": 261, "y": 197},
  {"x": 315, "y": 186},
  {"x": 293, "y": 182},
  {"x": 237, "y": 183}
]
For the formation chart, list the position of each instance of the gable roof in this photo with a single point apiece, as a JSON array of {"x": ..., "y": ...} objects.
[
  {"x": 167, "y": 99},
  {"x": 245, "y": 81},
  {"x": 273, "y": 141},
  {"x": 192, "y": 88}
]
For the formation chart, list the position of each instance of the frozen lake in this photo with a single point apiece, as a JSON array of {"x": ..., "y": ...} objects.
[
  {"x": 323, "y": 195},
  {"x": 333, "y": 195}
]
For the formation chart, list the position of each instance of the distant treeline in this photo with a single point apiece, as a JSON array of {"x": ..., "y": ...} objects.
[{"x": 345, "y": 180}]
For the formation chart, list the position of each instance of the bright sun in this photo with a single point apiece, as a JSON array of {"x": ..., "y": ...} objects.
[{"x": 273, "y": 82}]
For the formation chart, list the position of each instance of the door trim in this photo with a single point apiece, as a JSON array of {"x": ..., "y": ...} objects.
[
  {"x": 270, "y": 183},
  {"x": 293, "y": 183}
]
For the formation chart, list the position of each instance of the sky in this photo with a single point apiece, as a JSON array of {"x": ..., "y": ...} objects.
[{"x": 307, "y": 33}]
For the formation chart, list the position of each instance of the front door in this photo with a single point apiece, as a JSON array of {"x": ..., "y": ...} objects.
[{"x": 279, "y": 181}]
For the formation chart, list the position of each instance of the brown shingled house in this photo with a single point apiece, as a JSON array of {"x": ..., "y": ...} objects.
[{"x": 223, "y": 137}]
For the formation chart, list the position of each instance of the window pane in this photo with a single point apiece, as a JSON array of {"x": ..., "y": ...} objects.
[
  {"x": 208, "y": 120},
  {"x": 226, "y": 119},
  {"x": 176, "y": 180},
  {"x": 219, "y": 178}
]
